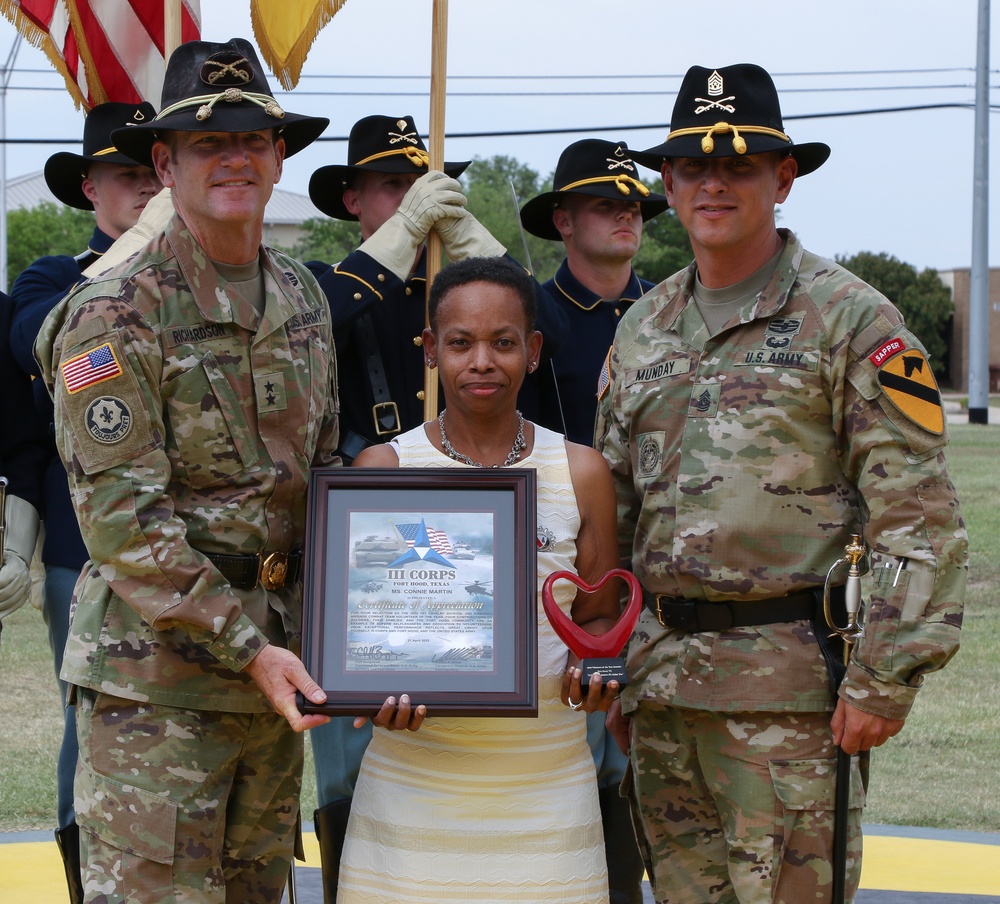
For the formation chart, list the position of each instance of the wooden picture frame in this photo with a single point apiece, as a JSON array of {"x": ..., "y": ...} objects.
[{"x": 422, "y": 581}]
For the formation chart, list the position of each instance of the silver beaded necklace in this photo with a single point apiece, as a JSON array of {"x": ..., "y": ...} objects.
[{"x": 515, "y": 451}]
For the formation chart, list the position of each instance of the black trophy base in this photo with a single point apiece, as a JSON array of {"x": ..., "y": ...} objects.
[{"x": 608, "y": 669}]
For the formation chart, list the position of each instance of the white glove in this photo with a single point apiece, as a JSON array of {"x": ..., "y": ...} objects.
[
  {"x": 432, "y": 199},
  {"x": 152, "y": 221},
  {"x": 18, "y": 548},
  {"x": 464, "y": 236}
]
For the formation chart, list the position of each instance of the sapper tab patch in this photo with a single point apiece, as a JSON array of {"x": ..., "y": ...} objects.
[
  {"x": 910, "y": 385},
  {"x": 93, "y": 366},
  {"x": 885, "y": 351}
]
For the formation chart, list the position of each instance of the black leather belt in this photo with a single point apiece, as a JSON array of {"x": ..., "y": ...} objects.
[
  {"x": 385, "y": 412},
  {"x": 700, "y": 615},
  {"x": 271, "y": 569}
]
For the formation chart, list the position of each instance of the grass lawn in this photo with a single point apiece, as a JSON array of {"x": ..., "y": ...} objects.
[{"x": 940, "y": 771}]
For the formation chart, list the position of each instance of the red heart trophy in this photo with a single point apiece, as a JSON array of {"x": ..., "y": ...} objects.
[{"x": 602, "y": 648}]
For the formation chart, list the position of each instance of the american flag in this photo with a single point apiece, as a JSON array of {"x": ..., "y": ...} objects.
[
  {"x": 104, "y": 49},
  {"x": 604, "y": 379},
  {"x": 95, "y": 366},
  {"x": 439, "y": 539}
]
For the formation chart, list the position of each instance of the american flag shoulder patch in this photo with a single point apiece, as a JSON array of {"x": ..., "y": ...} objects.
[
  {"x": 93, "y": 366},
  {"x": 604, "y": 379}
]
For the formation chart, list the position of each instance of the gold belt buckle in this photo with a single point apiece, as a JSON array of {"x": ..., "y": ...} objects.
[
  {"x": 388, "y": 406},
  {"x": 273, "y": 570},
  {"x": 659, "y": 612}
]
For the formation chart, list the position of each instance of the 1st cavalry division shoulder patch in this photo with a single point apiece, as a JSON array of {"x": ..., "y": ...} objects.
[{"x": 908, "y": 382}]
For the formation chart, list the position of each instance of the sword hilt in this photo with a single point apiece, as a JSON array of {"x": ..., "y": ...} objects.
[{"x": 854, "y": 553}]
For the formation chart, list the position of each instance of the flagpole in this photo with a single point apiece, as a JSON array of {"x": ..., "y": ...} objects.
[
  {"x": 171, "y": 29},
  {"x": 435, "y": 147}
]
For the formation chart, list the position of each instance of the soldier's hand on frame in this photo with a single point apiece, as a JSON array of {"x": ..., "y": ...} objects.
[
  {"x": 19, "y": 547},
  {"x": 279, "y": 674},
  {"x": 152, "y": 221},
  {"x": 464, "y": 236}
]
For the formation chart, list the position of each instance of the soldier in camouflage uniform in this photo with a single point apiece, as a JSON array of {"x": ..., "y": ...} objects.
[
  {"x": 764, "y": 404},
  {"x": 194, "y": 385}
]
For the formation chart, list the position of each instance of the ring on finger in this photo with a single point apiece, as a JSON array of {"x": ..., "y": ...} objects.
[{"x": 574, "y": 706}]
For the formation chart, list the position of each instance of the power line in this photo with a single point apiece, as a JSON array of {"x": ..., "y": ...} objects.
[
  {"x": 590, "y": 75},
  {"x": 592, "y": 93},
  {"x": 664, "y": 126}
]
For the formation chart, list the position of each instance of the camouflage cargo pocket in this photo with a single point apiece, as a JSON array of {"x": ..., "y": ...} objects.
[
  {"x": 125, "y": 817},
  {"x": 811, "y": 784}
]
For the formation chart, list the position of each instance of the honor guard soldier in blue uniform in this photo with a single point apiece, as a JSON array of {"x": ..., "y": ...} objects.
[
  {"x": 194, "y": 388},
  {"x": 117, "y": 189},
  {"x": 22, "y": 466},
  {"x": 377, "y": 292},
  {"x": 597, "y": 208},
  {"x": 763, "y": 407},
  {"x": 377, "y": 301}
]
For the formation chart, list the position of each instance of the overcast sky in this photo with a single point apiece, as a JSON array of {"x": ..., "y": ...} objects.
[{"x": 897, "y": 182}]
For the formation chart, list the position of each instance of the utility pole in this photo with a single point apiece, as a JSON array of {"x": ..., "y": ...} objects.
[
  {"x": 5, "y": 75},
  {"x": 979, "y": 291}
]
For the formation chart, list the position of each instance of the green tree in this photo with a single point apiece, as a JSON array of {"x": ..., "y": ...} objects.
[
  {"x": 328, "y": 240},
  {"x": 487, "y": 184},
  {"x": 665, "y": 248},
  {"x": 43, "y": 230},
  {"x": 924, "y": 301}
]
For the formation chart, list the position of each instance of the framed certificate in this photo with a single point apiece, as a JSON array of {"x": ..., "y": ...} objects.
[{"x": 422, "y": 581}]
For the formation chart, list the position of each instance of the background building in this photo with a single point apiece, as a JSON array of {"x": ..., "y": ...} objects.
[
  {"x": 957, "y": 377},
  {"x": 283, "y": 216}
]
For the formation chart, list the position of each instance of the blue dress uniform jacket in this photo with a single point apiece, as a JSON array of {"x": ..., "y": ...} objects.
[
  {"x": 591, "y": 321},
  {"x": 36, "y": 291},
  {"x": 22, "y": 439},
  {"x": 359, "y": 285}
]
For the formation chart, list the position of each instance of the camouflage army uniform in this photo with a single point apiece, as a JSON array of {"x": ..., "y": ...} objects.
[
  {"x": 192, "y": 434},
  {"x": 742, "y": 463}
]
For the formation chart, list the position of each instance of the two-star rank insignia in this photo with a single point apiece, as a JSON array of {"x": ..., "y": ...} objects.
[
  {"x": 270, "y": 389},
  {"x": 908, "y": 382}
]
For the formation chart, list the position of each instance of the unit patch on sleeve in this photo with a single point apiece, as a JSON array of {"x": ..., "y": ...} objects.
[
  {"x": 109, "y": 419},
  {"x": 906, "y": 378},
  {"x": 93, "y": 366}
]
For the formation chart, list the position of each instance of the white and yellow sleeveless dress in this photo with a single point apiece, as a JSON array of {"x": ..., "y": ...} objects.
[{"x": 466, "y": 810}]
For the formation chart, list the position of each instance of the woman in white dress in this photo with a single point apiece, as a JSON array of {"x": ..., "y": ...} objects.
[{"x": 493, "y": 809}]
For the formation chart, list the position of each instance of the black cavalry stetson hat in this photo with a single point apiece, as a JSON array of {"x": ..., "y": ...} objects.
[
  {"x": 210, "y": 87},
  {"x": 591, "y": 167},
  {"x": 377, "y": 144},
  {"x": 726, "y": 112},
  {"x": 65, "y": 172}
]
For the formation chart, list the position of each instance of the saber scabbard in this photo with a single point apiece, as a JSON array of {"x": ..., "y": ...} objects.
[
  {"x": 3, "y": 514},
  {"x": 849, "y": 633}
]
